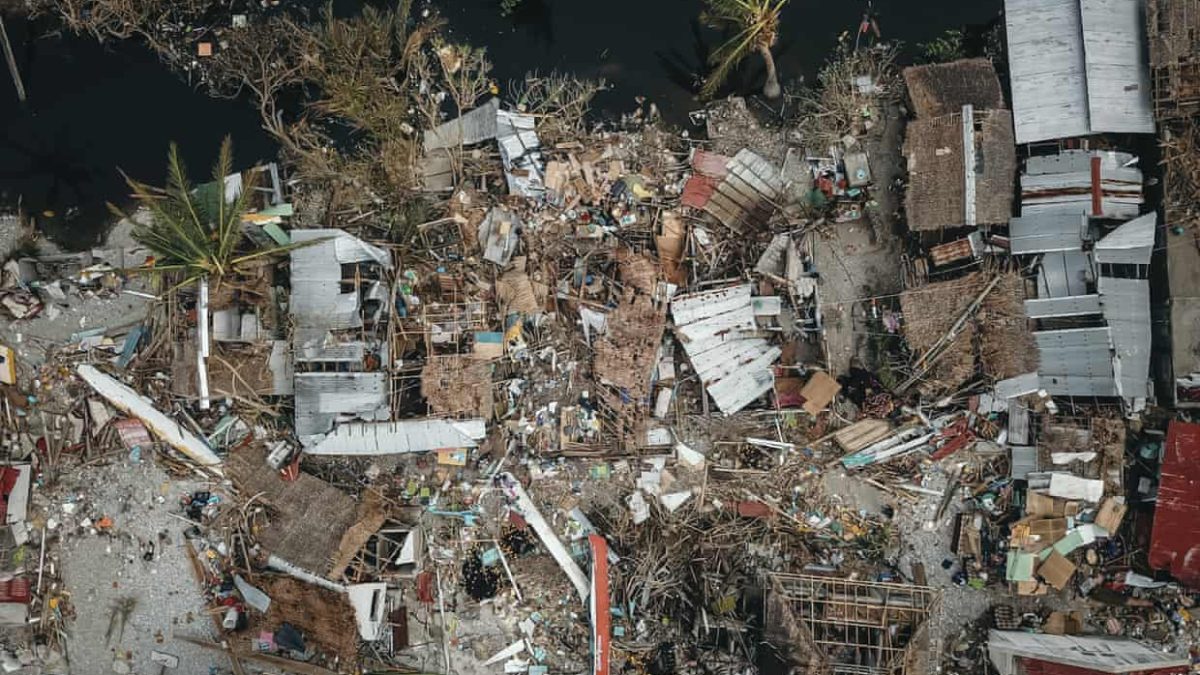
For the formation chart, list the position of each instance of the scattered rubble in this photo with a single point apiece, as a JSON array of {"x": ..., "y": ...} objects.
[{"x": 627, "y": 401}]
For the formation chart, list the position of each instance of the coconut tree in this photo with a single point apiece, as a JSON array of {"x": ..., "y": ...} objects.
[
  {"x": 755, "y": 27},
  {"x": 196, "y": 232}
]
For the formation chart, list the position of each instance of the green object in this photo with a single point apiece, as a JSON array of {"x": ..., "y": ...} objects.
[
  {"x": 277, "y": 234},
  {"x": 285, "y": 209},
  {"x": 1020, "y": 566}
]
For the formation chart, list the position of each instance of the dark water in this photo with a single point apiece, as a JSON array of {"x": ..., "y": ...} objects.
[
  {"x": 94, "y": 108},
  {"x": 657, "y": 48}
]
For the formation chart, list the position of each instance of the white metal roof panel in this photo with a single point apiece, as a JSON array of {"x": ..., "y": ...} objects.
[
  {"x": 718, "y": 332},
  {"x": 391, "y": 438},
  {"x": 1071, "y": 305},
  {"x": 1126, "y": 304},
  {"x": 1076, "y": 362},
  {"x": 1046, "y": 62},
  {"x": 1063, "y": 274},
  {"x": 1103, "y": 654},
  {"x": 322, "y": 397},
  {"x": 1131, "y": 243},
  {"x": 1043, "y": 232}
]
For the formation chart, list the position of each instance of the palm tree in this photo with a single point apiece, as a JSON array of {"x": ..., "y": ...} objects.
[
  {"x": 756, "y": 26},
  {"x": 195, "y": 231}
]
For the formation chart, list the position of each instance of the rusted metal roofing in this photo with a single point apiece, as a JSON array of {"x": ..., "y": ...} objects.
[
  {"x": 698, "y": 190},
  {"x": 1175, "y": 540},
  {"x": 746, "y": 194}
]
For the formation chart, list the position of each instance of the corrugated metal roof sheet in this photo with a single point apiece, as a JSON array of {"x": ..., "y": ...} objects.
[
  {"x": 710, "y": 164},
  {"x": 1132, "y": 243},
  {"x": 521, "y": 152},
  {"x": 1045, "y": 59},
  {"x": 499, "y": 235},
  {"x": 476, "y": 126},
  {"x": 1077, "y": 68},
  {"x": 1076, "y": 362},
  {"x": 1063, "y": 183},
  {"x": 1126, "y": 305},
  {"x": 1118, "y": 76},
  {"x": 1044, "y": 232},
  {"x": 1063, "y": 274},
  {"x": 392, "y": 438},
  {"x": 719, "y": 335},
  {"x": 317, "y": 303},
  {"x": 1072, "y": 305},
  {"x": 1175, "y": 539},
  {"x": 698, "y": 190},
  {"x": 746, "y": 196},
  {"x": 322, "y": 397}
]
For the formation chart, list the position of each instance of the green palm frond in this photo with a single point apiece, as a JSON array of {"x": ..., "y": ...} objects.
[
  {"x": 196, "y": 231},
  {"x": 756, "y": 26}
]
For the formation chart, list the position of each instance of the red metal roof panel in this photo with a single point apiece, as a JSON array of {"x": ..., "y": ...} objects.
[{"x": 1175, "y": 540}]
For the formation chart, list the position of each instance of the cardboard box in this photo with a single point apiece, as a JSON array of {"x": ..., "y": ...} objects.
[
  {"x": 819, "y": 391},
  {"x": 1056, "y": 570},
  {"x": 1112, "y": 512},
  {"x": 1064, "y": 623},
  {"x": 1045, "y": 506}
]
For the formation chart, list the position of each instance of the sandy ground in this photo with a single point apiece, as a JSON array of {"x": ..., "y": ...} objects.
[
  {"x": 61, "y": 319},
  {"x": 856, "y": 260},
  {"x": 101, "y": 569}
]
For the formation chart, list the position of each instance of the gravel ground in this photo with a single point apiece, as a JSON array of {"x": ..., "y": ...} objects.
[
  {"x": 926, "y": 541},
  {"x": 99, "y": 570}
]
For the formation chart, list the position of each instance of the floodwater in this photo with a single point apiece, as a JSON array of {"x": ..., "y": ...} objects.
[{"x": 93, "y": 109}]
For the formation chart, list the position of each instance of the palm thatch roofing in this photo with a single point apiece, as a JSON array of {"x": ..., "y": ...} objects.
[
  {"x": 944, "y": 88},
  {"x": 936, "y": 196},
  {"x": 995, "y": 342}
]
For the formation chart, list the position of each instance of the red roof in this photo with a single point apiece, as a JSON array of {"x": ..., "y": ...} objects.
[
  {"x": 1175, "y": 541},
  {"x": 698, "y": 190},
  {"x": 1036, "y": 667}
]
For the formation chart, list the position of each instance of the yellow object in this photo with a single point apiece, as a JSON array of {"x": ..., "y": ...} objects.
[{"x": 8, "y": 365}]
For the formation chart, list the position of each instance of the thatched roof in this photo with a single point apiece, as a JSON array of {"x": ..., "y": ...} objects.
[
  {"x": 944, "y": 88},
  {"x": 936, "y": 191},
  {"x": 996, "y": 342}
]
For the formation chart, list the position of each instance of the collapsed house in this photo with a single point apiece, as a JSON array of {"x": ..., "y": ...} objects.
[
  {"x": 1077, "y": 68},
  {"x": 338, "y": 298},
  {"x": 831, "y": 625},
  {"x": 1092, "y": 307},
  {"x": 967, "y": 326},
  {"x": 1174, "y": 57}
]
